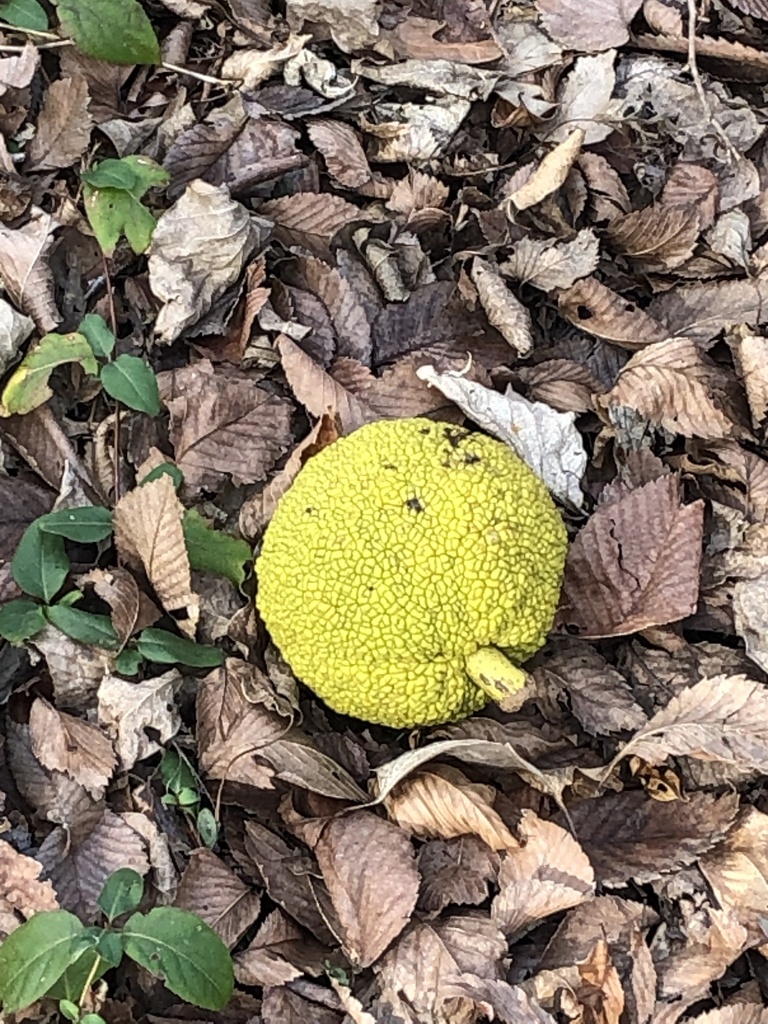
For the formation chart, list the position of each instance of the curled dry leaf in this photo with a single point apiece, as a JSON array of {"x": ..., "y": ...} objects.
[
  {"x": 601, "y": 25},
  {"x": 132, "y": 610},
  {"x": 22, "y": 891},
  {"x": 737, "y": 872},
  {"x": 504, "y": 310},
  {"x": 320, "y": 392},
  {"x": 223, "y": 424},
  {"x": 211, "y": 890},
  {"x": 414, "y": 977},
  {"x": 24, "y": 268},
  {"x": 713, "y": 941},
  {"x": 563, "y": 384},
  {"x": 635, "y": 564},
  {"x": 585, "y": 99},
  {"x": 723, "y": 718},
  {"x": 701, "y": 311},
  {"x": 548, "y": 264},
  {"x": 551, "y": 172},
  {"x": 342, "y": 151},
  {"x": 369, "y": 867},
  {"x": 444, "y": 803},
  {"x": 627, "y": 835},
  {"x": 348, "y": 316},
  {"x": 750, "y": 354},
  {"x": 675, "y": 385},
  {"x": 547, "y": 440},
  {"x": 199, "y": 248},
  {"x": 149, "y": 535},
  {"x": 128, "y": 710},
  {"x": 550, "y": 872},
  {"x": 67, "y": 744},
  {"x": 596, "y": 309}
]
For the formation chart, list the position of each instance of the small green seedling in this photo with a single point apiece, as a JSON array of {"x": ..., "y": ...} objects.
[
  {"x": 182, "y": 790},
  {"x": 54, "y": 954},
  {"x": 113, "y": 192}
]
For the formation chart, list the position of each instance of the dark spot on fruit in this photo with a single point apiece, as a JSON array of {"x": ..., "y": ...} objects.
[
  {"x": 424, "y": 430},
  {"x": 455, "y": 437},
  {"x": 415, "y": 505},
  {"x": 309, "y": 510},
  {"x": 470, "y": 459},
  {"x": 389, "y": 465}
]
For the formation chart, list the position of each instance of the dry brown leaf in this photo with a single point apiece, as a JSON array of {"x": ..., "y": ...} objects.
[
  {"x": 280, "y": 952},
  {"x": 550, "y": 173},
  {"x": 24, "y": 268},
  {"x": 414, "y": 977},
  {"x": 66, "y": 744},
  {"x": 598, "y": 26},
  {"x": 750, "y": 355},
  {"x": 714, "y": 940},
  {"x": 76, "y": 670},
  {"x": 149, "y": 535},
  {"x": 223, "y": 424},
  {"x": 737, "y": 872},
  {"x": 128, "y": 710},
  {"x": 548, "y": 873},
  {"x": 211, "y": 890},
  {"x": 594, "y": 308},
  {"x": 701, "y": 311},
  {"x": 736, "y": 1013},
  {"x": 132, "y": 610},
  {"x": 444, "y": 803},
  {"x": 608, "y": 197},
  {"x": 64, "y": 125},
  {"x": 320, "y": 392},
  {"x": 347, "y": 313},
  {"x": 627, "y": 835},
  {"x": 369, "y": 867},
  {"x": 310, "y": 219},
  {"x": 342, "y": 151},
  {"x": 455, "y": 871},
  {"x": 675, "y": 385},
  {"x": 416, "y": 193},
  {"x": 663, "y": 18},
  {"x": 657, "y": 238},
  {"x": 548, "y": 264},
  {"x": 693, "y": 185},
  {"x": 504, "y": 310},
  {"x": 723, "y": 718},
  {"x": 415, "y": 37},
  {"x": 44, "y": 445},
  {"x": 22, "y": 894},
  {"x": 79, "y": 864},
  {"x": 566, "y": 385},
  {"x": 635, "y": 564}
]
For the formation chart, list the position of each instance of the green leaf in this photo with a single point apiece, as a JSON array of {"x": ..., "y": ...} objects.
[
  {"x": 112, "y": 212},
  {"x": 34, "y": 956},
  {"x": 176, "y": 772},
  {"x": 208, "y": 827},
  {"x": 69, "y": 1010},
  {"x": 95, "y": 331},
  {"x": 70, "y": 985},
  {"x": 122, "y": 893},
  {"x": 167, "y": 649},
  {"x": 40, "y": 564},
  {"x": 178, "y": 947},
  {"x": 166, "y": 467},
  {"x": 132, "y": 381},
  {"x": 128, "y": 662},
  {"x": 112, "y": 173},
  {"x": 20, "y": 620},
  {"x": 84, "y": 627},
  {"x": 86, "y": 525},
  {"x": 117, "y": 31},
  {"x": 213, "y": 551},
  {"x": 24, "y": 14},
  {"x": 28, "y": 386}
]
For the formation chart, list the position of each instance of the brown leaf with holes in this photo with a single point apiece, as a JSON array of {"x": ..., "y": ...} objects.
[
  {"x": 657, "y": 238},
  {"x": 211, "y": 890},
  {"x": 64, "y": 125},
  {"x": 548, "y": 873},
  {"x": 223, "y": 424},
  {"x": 599, "y": 26},
  {"x": 675, "y": 385},
  {"x": 310, "y": 219},
  {"x": 596, "y": 309},
  {"x": 444, "y": 803},
  {"x": 635, "y": 564},
  {"x": 149, "y": 535},
  {"x": 369, "y": 867},
  {"x": 73, "y": 746},
  {"x": 342, "y": 151},
  {"x": 628, "y": 835}
]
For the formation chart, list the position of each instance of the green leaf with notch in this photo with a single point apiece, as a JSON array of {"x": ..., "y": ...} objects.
[
  {"x": 95, "y": 331},
  {"x": 117, "y": 31},
  {"x": 113, "y": 191},
  {"x": 34, "y": 956},
  {"x": 40, "y": 564},
  {"x": 213, "y": 551},
  {"x": 20, "y": 620},
  {"x": 85, "y": 525},
  {"x": 168, "y": 649},
  {"x": 132, "y": 381},
  {"x": 24, "y": 14},
  {"x": 85, "y": 627},
  {"x": 181, "y": 949},
  {"x": 28, "y": 386}
]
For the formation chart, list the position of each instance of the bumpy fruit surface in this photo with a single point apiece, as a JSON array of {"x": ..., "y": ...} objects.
[{"x": 400, "y": 553}]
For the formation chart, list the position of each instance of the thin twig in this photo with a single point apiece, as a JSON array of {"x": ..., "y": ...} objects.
[
  {"x": 198, "y": 75},
  {"x": 58, "y": 45},
  {"x": 113, "y": 325},
  {"x": 28, "y": 31},
  {"x": 693, "y": 67}
]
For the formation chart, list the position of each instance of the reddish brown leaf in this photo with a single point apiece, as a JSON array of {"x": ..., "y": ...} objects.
[
  {"x": 597, "y": 310},
  {"x": 310, "y": 219}
]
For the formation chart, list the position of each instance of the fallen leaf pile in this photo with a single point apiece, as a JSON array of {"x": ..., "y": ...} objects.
[{"x": 545, "y": 219}]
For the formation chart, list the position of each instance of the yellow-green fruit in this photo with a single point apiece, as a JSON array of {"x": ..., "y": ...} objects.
[{"x": 399, "y": 555}]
